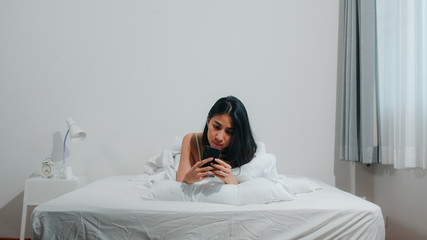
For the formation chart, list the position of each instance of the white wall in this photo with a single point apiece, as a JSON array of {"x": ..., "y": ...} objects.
[
  {"x": 402, "y": 196},
  {"x": 136, "y": 74}
]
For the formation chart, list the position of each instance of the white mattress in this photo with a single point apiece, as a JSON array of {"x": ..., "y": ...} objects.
[{"x": 111, "y": 208}]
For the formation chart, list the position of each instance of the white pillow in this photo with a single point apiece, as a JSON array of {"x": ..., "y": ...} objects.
[{"x": 254, "y": 191}]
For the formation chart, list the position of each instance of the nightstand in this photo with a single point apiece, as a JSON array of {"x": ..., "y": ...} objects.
[{"x": 38, "y": 190}]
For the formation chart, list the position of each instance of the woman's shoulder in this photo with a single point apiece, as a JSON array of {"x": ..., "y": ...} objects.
[
  {"x": 188, "y": 136},
  {"x": 191, "y": 137},
  {"x": 189, "y": 146}
]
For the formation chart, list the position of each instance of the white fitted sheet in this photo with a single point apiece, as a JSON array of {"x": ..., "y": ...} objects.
[{"x": 111, "y": 208}]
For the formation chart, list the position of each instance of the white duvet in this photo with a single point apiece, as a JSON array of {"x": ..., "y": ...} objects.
[
  {"x": 259, "y": 182},
  {"x": 111, "y": 208}
]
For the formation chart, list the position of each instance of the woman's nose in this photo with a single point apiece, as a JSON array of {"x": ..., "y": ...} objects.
[{"x": 219, "y": 135}]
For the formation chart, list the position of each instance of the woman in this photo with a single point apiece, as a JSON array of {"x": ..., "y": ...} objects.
[{"x": 227, "y": 128}]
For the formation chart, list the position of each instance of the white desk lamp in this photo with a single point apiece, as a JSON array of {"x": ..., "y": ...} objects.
[{"x": 76, "y": 135}]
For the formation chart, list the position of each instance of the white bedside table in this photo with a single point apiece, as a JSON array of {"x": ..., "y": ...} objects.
[{"x": 38, "y": 190}]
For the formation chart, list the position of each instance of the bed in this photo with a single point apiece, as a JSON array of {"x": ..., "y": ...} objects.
[
  {"x": 111, "y": 208},
  {"x": 153, "y": 206}
]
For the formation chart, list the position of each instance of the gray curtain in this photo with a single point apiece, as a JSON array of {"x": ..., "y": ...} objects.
[{"x": 359, "y": 113}]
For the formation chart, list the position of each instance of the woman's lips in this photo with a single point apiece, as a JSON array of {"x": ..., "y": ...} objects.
[{"x": 217, "y": 145}]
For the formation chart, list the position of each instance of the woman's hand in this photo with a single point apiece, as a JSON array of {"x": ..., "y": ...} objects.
[
  {"x": 223, "y": 171},
  {"x": 197, "y": 173}
]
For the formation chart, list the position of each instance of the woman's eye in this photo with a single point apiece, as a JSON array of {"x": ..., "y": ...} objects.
[{"x": 217, "y": 127}]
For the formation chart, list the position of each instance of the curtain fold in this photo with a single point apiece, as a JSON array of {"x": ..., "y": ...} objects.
[{"x": 359, "y": 140}]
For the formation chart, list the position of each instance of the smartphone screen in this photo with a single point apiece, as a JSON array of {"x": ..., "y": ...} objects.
[{"x": 210, "y": 152}]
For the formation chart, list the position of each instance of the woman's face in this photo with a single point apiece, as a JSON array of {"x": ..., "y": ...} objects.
[{"x": 220, "y": 130}]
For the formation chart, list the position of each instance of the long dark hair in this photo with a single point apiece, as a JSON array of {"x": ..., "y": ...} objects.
[{"x": 242, "y": 145}]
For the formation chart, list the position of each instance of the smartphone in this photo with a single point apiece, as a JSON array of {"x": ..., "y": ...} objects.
[{"x": 210, "y": 152}]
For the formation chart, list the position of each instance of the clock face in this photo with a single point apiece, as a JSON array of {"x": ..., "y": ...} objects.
[{"x": 47, "y": 170}]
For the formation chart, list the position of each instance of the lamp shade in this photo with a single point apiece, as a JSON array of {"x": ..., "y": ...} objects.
[{"x": 76, "y": 133}]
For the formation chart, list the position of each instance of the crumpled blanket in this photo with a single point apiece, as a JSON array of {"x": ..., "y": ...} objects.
[{"x": 259, "y": 181}]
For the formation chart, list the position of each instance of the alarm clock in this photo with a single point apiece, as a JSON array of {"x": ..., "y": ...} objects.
[{"x": 47, "y": 169}]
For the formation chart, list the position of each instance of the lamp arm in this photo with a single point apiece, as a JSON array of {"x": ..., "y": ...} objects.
[{"x": 63, "y": 152}]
